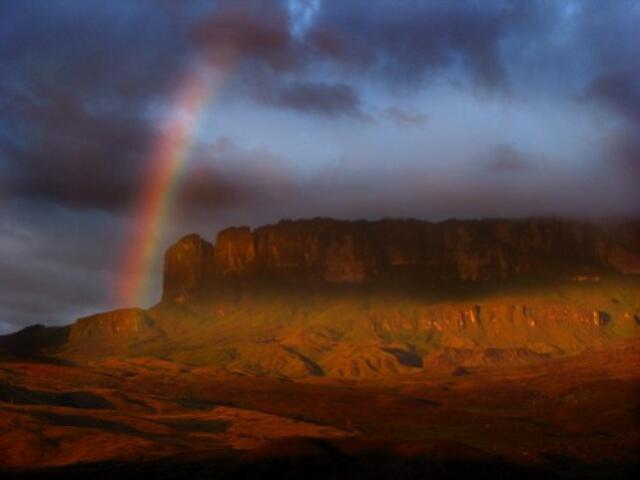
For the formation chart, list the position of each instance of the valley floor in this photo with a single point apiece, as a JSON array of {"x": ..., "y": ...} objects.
[{"x": 574, "y": 417}]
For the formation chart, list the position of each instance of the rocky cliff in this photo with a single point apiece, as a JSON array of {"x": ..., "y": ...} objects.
[
  {"x": 395, "y": 252},
  {"x": 376, "y": 319}
]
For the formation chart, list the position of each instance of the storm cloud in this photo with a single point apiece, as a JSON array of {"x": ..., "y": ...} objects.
[{"x": 353, "y": 109}]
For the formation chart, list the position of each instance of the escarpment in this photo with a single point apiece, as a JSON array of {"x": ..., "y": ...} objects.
[
  {"x": 118, "y": 324},
  {"x": 327, "y": 298},
  {"x": 397, "y": 252},
  {"x": 119, "y": 333}
]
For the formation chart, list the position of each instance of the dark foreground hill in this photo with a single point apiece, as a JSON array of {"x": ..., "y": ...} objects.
[{"x": 565, "y": 418}]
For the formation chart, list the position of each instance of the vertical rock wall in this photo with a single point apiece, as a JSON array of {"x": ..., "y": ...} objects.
[{"x": 335, "y": 251}]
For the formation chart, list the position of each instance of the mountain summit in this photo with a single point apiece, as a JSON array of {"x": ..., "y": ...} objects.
[{"x": 401, "y": 252}]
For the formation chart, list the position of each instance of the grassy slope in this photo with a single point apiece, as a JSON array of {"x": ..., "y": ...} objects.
[{"x": 359, "y": 333}]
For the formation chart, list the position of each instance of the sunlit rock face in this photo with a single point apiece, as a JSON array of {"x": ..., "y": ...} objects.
[
  {"x": 402, "y": 251},
  {"x": 118, "y": 324},
  {"x": 235, "y": 251}
]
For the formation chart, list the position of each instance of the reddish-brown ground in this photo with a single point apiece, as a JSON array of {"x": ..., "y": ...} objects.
[{"x": 580, "y": 411}]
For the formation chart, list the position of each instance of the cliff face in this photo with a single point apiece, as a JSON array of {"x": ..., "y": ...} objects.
[
  {"x": 392, "y": 251},
  {"x": 115, "y": 325},
  {"x": 185, "y": 266}
]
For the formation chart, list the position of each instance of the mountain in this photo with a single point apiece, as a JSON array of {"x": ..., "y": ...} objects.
[
  {"x": 328, "y": 298},
  {"x": 328, "y": 349}
]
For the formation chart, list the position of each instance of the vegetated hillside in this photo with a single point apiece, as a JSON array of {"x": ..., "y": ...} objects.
[{"x": 366, "y": 299}]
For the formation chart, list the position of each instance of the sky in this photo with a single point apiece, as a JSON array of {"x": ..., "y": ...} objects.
[{"x": 431, "y": 109}]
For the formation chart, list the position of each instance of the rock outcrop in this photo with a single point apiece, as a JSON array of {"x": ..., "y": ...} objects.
[
  {"x": 185, "y": 266},
  {"x": 112, "y": 326},
  {"x": 402, "y": 251}
]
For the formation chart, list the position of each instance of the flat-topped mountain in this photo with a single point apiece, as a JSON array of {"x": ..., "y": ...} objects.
[
  {"x": 332, "y": 298},
  {"x": 395, "y": 252}
]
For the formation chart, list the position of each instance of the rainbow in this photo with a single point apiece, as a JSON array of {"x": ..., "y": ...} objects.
[{"x": 167, "y": 162}]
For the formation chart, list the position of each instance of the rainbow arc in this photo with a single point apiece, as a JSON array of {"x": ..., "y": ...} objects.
[{"x": 166, "y": 163}]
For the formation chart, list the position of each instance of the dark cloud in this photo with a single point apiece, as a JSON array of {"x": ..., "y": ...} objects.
[
  {"x": 609, "y": 32},
  {"x": 79, "y": 82},
  {"x": 256, "y": 38},
  {"x": 56, "y": 265},
  {"x": 398, "y": 45},
  {"x": 619, "y": 90},
  {"x": 405, "y": 118},
  {"x": 423, "y": 194},
  {"x": 247, "y": 30},
  {"x": 623, "y": 149},
  {"x": 412, "y": 40},
  {"x": 226, "y": 176},
  {"x": 317, "y": 98},
  {"x": 507, "y": 159},
  {"x": 85, "y": 160}
]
